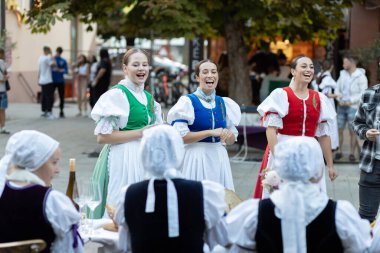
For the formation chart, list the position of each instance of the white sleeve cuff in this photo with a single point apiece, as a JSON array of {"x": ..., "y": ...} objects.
[
  {"x": 273, "y": 120},
  {"x": 106, "y": 125}
]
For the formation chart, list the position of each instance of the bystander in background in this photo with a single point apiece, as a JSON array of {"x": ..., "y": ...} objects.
[
  {"x": 3, "y": 92},
  {"x": 45, "y": 80},
  {"x": 58, "y": 72}
]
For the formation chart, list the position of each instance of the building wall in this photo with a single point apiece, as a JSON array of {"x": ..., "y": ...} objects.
[
  {"x": 23, "y": 58},
  {"x": 364, "y": 29}
]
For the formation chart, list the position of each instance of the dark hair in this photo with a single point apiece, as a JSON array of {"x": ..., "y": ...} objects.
[
  {"x": 197, "y": 67},
  {"x": 103, "y": 53},
  {"x": 2, "y": 51},
  {"x": 294, "y": 62},
  {"x": 132, "y": 51},
  {"x": 59, "y": 50},
  {"x": 93, "y": 59},
  {"x": 351, "y": 58},
  {"x": 84, "y": 58},
  {"x": 326, "y": 65},
  {"x": 46, "y": 49}
]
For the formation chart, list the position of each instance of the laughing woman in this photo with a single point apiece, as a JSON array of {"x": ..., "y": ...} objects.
[
  {"x": 121, "y": 114},
  {"x": 297, "y": 111},
  {"x": 206, "y": 123}
]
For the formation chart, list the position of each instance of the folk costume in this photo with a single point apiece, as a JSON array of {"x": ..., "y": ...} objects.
[
  {"x": 125, "y": 107},
  {"x": 32, "y": 210},
  {"x": 167, "y": 213},
  {"x": 292, "y": 117},
  {"x": 206, "y": 159},
  {"x": 298, "y": 217}
]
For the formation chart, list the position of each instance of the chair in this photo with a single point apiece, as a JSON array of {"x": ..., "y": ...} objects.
[
  {"x": 27, "y": 246},
  {"x": 274, "y": 84}
]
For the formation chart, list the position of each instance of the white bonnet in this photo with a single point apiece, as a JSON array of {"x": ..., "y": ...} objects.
[
  {"x": 161, "y": 149},
  {"x": 28, "y": 149},
  {"x": 299, "y": 159}
]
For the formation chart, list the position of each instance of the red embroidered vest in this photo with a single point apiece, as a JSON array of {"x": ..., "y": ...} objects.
[{"x": 293, "y": 121}]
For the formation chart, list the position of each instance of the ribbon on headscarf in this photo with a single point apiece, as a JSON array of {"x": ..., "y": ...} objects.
[
  {"x": 290, "y": 208},
  {"x": 172, "y": 205}
]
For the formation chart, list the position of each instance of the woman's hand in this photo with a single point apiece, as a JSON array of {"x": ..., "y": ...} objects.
[
  {"x": 217, "y": 132},
  {"x": 333, "y": 174},
  {"x": 226, "y": 135},
  {"x": 371, "y": 134}
]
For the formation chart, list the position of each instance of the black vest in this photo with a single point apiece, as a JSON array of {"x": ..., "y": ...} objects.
[
  {"x": 321, "y": 235},
  {"x": 22, "y": 215},
  {"x": 149, "y": 231}
]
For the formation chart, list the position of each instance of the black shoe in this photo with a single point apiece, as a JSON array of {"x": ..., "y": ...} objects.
[
  {"x": 61, "y": 115},
  {"x": 94, "y": 154},
  {"x": 352, "y": 158},
  {"x": 338, "y": 156},
  {"x": 4, "y": 131}
]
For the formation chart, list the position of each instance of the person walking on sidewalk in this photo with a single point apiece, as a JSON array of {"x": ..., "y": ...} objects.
[
  {"x": 366, "y": 125},
  {"x": 58, "y": 72},
  {"x": 350, "y": 86},
  {"x": 3, "y": 92},
  {"x": 45, "y": 80}
]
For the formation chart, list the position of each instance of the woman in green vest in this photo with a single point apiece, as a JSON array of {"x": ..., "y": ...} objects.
[{"x": 121, "y": 114}]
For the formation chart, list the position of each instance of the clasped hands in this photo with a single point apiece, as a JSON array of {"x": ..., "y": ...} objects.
[{"x": 223, "y": 133}]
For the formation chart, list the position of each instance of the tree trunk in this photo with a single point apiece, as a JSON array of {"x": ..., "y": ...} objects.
[{"x": 239, "y": 88}]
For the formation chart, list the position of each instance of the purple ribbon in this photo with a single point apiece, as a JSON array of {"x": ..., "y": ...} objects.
[{"x": 74, "y": 231}]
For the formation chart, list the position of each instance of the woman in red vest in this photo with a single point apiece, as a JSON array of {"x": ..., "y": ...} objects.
[{"x": 297, "y": 111}]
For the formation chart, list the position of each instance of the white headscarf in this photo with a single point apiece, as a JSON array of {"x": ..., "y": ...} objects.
[
  {"x": 298, "y": 201},
  {"x": 161, "y": 154},
  {"x": 28, "y": 150}
]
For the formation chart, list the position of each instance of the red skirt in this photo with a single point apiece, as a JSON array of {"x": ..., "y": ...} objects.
[{"x": 257, "y": 194}]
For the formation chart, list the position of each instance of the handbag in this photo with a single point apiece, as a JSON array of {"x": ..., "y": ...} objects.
[{"x": 7, "y": 85}]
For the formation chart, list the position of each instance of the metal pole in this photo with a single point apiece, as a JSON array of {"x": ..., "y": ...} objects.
[
  {"x": 2, "y": 18},
  {"x": 152, "y": 74}
]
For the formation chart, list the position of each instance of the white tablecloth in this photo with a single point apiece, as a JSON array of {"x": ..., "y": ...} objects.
[{"x": 109, "y": 239}]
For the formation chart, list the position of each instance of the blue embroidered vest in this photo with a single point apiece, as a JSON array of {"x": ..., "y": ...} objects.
[{"x": 204, "y": 117}]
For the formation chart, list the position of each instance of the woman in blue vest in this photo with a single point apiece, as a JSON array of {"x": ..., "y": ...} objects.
[
  {"x": 121, "y": 114},
  {"x": 298, "y": 217},
  {"x": 29, "y": 208},
  {"x": 207, "y": 123}
]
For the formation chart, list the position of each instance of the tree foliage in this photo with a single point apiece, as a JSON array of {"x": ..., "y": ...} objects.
[
  {"x": 293, "y": 20},
  {"x": 238, "y": 21}
]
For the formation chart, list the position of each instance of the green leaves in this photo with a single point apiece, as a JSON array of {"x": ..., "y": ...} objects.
[{"x": 295, "y": 20}]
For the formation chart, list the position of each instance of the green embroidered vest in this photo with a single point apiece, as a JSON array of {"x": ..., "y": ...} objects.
[{"x": 138, "y": 113}]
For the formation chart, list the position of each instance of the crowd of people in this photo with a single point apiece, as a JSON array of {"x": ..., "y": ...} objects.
[
  {"x": 167, "y": 180},
  {"x": 88, "y": 76}
]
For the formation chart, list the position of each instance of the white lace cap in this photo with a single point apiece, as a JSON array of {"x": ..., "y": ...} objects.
[
  {"x": 297, "y": 160},
  {"x": 161, "y": 154},
  {"x": 28, "y": 149}
]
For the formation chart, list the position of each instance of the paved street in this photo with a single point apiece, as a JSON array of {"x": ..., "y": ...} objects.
[{"x": 76, "y": 137}]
